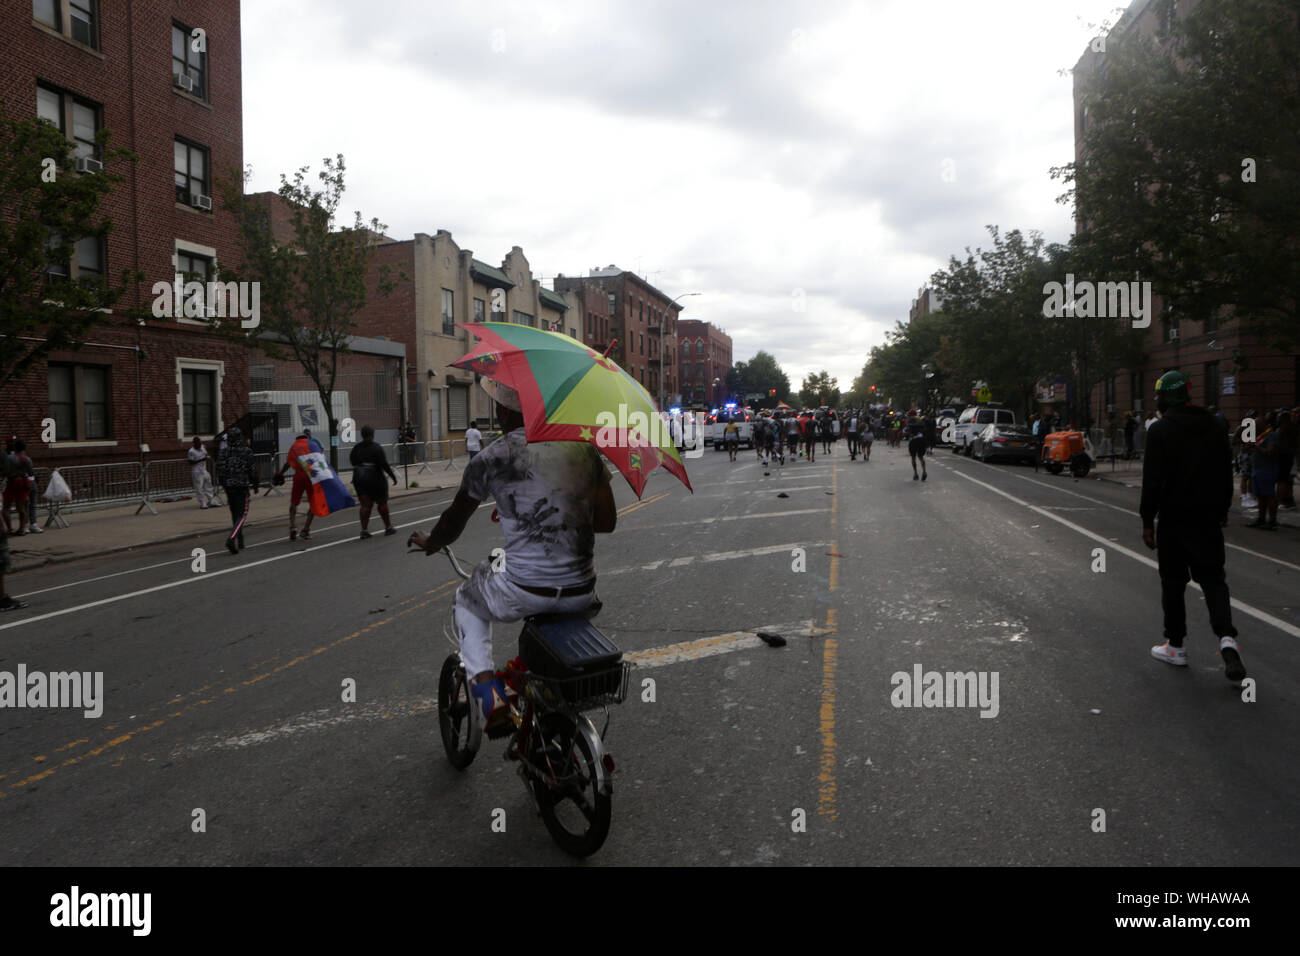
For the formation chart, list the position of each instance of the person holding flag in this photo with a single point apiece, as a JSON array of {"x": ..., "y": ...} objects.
[{"x": 313, "y": 477}]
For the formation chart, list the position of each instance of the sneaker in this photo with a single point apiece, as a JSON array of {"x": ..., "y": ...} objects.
[
  {"x": 390, "y": 530},
  {"x": 491, "y": 699},
  {"x": 364, "y": 535},
  {"x": 35, "y": 529},
  {"x": 230, "y": 546},
  {"x": 293, "y": 534},
  {"x": 202, "y": 507},
  {"x": 1170, "y": 654},
  {"x": 1249, "y": 501},
  {"x": 1233, "y": 668},
  {"x": 8, "y": 603},
  {"x": 305, "y": 534}
]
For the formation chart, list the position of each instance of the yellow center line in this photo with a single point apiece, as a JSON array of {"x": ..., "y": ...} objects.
[
  {"x": 140, "y": 729},
  {"x": 826, "y": 790},
  {"x": 641, "y": 504}
]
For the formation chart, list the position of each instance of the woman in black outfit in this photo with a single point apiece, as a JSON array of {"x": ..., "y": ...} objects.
[{"x": 368, "y": 466}]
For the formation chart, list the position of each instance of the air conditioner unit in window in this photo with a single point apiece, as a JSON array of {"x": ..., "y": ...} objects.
[
  {"x": 56, "y": 273},
  {"x": 87, "y": 164},
  {"x": 185, "y": 82},
  {"x": 1173, "y": 335},
  {"x": 199, "y": 201}
]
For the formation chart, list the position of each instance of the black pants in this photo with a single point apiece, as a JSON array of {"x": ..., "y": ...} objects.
[
  {"x": 237, "y": 498},
  {"x": 1192, "y": 550}
]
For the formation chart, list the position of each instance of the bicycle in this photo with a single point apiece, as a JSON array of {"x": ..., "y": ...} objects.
[{"x": 565, "y": 667}]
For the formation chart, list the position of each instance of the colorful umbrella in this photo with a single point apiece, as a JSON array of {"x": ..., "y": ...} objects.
[{"x": 571, "y": 392}]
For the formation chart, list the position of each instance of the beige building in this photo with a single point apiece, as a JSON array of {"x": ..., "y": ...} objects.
[{"x": 447, "y": 287}]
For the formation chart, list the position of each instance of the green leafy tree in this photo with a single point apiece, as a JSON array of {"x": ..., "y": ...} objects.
[
  {"x": 46, "y": 208},
  {"x": 1190, "y": 166},
  {"x": 820, "y": 389},
  {"x": 312, "y": 284},
  {"x": 763, "y": 375}
]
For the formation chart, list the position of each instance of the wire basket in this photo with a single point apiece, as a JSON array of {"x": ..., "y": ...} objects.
[{"x": 583, "y": 692}]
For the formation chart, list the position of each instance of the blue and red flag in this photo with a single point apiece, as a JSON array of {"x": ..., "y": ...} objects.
[{"x": 326, "y": 492}]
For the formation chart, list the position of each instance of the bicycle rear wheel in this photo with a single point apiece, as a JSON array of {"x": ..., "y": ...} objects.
[
  {"x": 461, "y": 733},
  {"x": 576, "y": 808}
]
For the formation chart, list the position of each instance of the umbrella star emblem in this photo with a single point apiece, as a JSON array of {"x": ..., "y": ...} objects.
[
  {"x": 635, "y": 461},
  {"x": 585, "y": 434}
]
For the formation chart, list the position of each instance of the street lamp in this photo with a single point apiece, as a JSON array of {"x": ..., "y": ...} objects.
[{"x": 663, "y": 317}]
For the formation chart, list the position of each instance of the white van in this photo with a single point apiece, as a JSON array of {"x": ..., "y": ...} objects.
[{"x": 974, "y": 420}]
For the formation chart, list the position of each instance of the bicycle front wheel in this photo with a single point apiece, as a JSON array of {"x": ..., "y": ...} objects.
[
  {"x": 575, "y": 806},
  {"x": 461, "y": 733}
]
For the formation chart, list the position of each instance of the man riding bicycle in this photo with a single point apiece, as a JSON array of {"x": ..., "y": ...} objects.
[{"x": 552, "y": 498}]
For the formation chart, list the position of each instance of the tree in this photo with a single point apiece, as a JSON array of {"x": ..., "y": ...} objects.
[
  {"x": 761, "y": 374},
  {"x": 820, "y": 389},
  {"x": 46, "y": 208},
  {"x": 1190, "y": 166},
  {"x": 311, "y": 289}
]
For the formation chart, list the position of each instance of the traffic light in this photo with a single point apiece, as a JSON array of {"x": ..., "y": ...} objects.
[
  {"x": 772, "y": 391},
  {"x": 873, "y": 389}
]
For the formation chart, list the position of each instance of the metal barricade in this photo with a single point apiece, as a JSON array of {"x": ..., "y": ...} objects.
[
  {"x": 98, "y": 486},
  {"x": 171, "y": 478}
]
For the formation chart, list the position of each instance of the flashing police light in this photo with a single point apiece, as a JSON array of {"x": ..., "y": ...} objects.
[
  {"x": 675, "y": 410},
  {"x": 730, "y": 405}
]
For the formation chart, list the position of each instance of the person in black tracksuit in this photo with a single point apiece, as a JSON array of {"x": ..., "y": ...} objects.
[
  {"x": 1186, "y": 494},
  {"x": 236, "y": 472}
]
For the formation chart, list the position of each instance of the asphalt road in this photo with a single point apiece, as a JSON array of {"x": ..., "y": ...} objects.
[{"x": 224, "y": 688}]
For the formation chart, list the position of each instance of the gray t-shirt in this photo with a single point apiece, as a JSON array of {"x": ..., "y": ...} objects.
[{"x": 544, "y": 493}]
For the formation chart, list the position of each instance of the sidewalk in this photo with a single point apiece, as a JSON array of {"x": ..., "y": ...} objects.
[
  {"x": 107, "y": 530},
  {"x": 1129, "y": 474}
]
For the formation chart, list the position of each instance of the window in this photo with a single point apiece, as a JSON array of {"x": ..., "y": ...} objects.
[
  {"x": 573, "y": 333},
  {"x": 82, "y": 15},
  {"x": 79, "y": 401},
  {"x": 642, "y": 337},
  {"x": 189, "y": 66},
  {"x": 47, "y": 12},
  {"x": 522, "y": 318},
  {"x": 71, "y": 112},
  {"x": 1211, "y": 384},
  {"x": 480, "y": 310},
  {"x": 191, "y": 167},
  {"x": 448, "y": 312},
  {"x": 1212, "y": 323},
  {"x": 89, "y": 259},
  {"x": 198, "y": 401},
  {"x": 381, "y": 389},
  {"x": 194, "y": 267}
]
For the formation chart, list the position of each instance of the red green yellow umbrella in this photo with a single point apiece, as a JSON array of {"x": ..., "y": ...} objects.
[{"x": 570, "y": 392}]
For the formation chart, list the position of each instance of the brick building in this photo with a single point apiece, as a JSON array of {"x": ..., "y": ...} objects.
[
  {"x": 642, "y": 320},
  {"x": 165, "y": 78},
  {"x": 706, "y": 358},
  {"x": 1203, "y": 350},
  {"x": 448, "y": 286}
]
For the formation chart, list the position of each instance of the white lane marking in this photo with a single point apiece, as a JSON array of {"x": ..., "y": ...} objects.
[
  {"x": 717, "y": 556},
  {"x": 766, "y": 514},
  {"x": 1136, "y": 514},
  {"x": 187, "y": 560},
  {"x": 192, "y": 579},
  {"x": 1283, "y": 626}
]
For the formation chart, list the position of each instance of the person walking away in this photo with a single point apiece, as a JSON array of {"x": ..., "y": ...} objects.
[
  {"x": 18, "y": 485},
  {"x": 1186, "y": 494},
  {"x": 236, "y": 474},
  {"x": 731, "y": 437},
  {"x": 1264, "y": 467},
  {"x": 368, "y": 467},
  {"x": 792, "y": 436},
  {"x": 553, "y": 499},
  {"x": 810, "y": 438},
  {"x": 473, "y": 439},
  {"x": 32, "y": 500},
  {"x": 198, "y": 456},
  {"x": 302, "y": 446},
  {"x": 851, "y": 435},
  {"x": 916, "y": 447},
  {"x": 867, "y": 436}
]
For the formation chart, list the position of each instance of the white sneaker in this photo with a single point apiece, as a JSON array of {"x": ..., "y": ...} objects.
[
  {"x": 201, "y": 507},
  {"x": 1170, "y": 655},
  {"x": 1248, "y": 501},
  {"x": 35, "y": 529}
]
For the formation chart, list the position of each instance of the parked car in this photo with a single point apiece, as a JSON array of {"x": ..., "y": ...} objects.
[
  {"x": 1004, "y": 441},
  {"x": 974, "y": 420}
]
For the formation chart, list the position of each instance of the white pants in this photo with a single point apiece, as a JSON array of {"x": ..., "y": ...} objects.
[
  {"x": 490, "y": 596},
  {"x": 202, "y": 484}
]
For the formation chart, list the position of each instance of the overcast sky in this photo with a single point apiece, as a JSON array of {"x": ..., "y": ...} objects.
[{"x": 823, "y": 156}]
